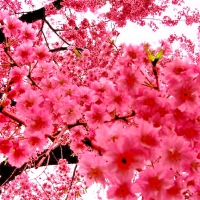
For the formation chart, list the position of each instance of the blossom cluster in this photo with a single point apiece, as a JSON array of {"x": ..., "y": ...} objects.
[{"x": 130, "y": 113}]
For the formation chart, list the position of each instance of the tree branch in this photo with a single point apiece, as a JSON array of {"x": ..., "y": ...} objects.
[
  {"x": 58, "y": 49},
  {"x": 33, "y": 16},
  {"x": 11, "y": 116},
  {"x": 51, "y": 157}
]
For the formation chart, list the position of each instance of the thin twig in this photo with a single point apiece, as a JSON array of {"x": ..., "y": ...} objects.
[
  {"x": 73, "y": 175},
  {"x": 14, "y": 62},
  {"x": 59, "y": 49},
  {"x": 55, "y": 32},
  {"x": 43, "y": 189},
  {"x": 14, "y": 118},
  {"x": 53, "y": 146}
]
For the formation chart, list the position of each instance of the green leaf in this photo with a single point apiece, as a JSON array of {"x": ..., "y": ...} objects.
[
  {"x": 153, "y": 59},
  {"x": 159, "y": 54},
  {"x": 6, "y": 161},
  {"x": 150, "y": 56}
]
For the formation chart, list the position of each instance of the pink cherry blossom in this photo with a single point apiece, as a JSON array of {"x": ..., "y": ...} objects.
[
  {"x": 97, "y": 115},
  {"x": 177, "y": 190},
  {"x": 109, "y": 134},
  {"x": 174, "y": 152},
  {"x": 123, "y": 156},
  {"x": 94, "y": 172},
  {"x": 12, "y": 26},
  {"x": 6, "y": 146},
  {"x": 116, "y": 100},
  {"x": 24, "y": 53},
  {"x": 130, "y": 79},
  {"x": 27, "y": 33},
  {"x": 39, "y": 121},
  {"x": 18, "y": 154},
  {"x": 122, "y": 190},
  {"x": 185, "y": 94},
  {"x": 155, "y": 182},
  {"x": 71, "y": 111},
  {"x": 3, "y": 15},
  {"x": 126, "y": 115},
  {"x": 190, "y": 131},
  {"x": 41, "y": 53}
]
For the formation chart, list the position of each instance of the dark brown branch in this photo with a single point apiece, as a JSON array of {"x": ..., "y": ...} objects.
[
  {"x": 76, "y": 124},
  {"x": 33, "y": 16},
  {"x": 58, "y": 49},
  {"x": 2, "y": 36},
  {"x": 39, "y": 14},
  {"x": 32, "y": 81},
  {"x": 124, "y": 118},
  {"x": 13, "y": 61},
  {"x": 72, "y": 180},
  {"x": 155, "y": 72}
]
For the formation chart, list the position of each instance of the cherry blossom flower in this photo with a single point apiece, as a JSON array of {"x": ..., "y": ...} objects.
[
  {"x": 189, "y": 130},
  {"x": 29, "y": 101},
  {"x": 34, "y": 141},
  {"x": 117, "y": 100},
  {"x": 12, "y": 26},
  {"x": 3, "y": 119},
  {"x": 24, "y": 53},
  {"x": 101, "y": 86},
  {"x": 3, "y": 15},
  {"x": 192, "y": 166},
  {"x": 109, "y": 134},
  {"x": 133, "y": 53},
  {"x": 162, "y": 115},
  {"x": 42, "y": 70},
  {"x": 27, "y": 33},
  {"x": 18, "y": 155},
  {"x": 17, "y": 75},
  {"x": 41, "y": 53},
  {"x": 94, "y": 172},
  {"x": 76, "y": 137},
  {"x": 39, "y": 121},
  {"x": 174, "y": 152},
  {"x": 70, "y": 111},
  {"x": 147, "y": 102},
  {"x": 6, "y": 145},
  {"x": 177, "y": 190},
  {"x": 124, "y": 156},
  {"x": 155, "y": 182},
  {"x": 129, "y": 80},
  {"x": 147, "y": 136},
  {"x": 186, "y": 94},
  {"x": 86, "y": 96},
  {"x": 122, "y": 190},
  {"x": 175, "y": 68},
  {"x": 48, "y": 84},
  {"x": 97, "y": 115}
]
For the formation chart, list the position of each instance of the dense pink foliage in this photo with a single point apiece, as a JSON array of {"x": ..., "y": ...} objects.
[{"x": 138, "y": 106}]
